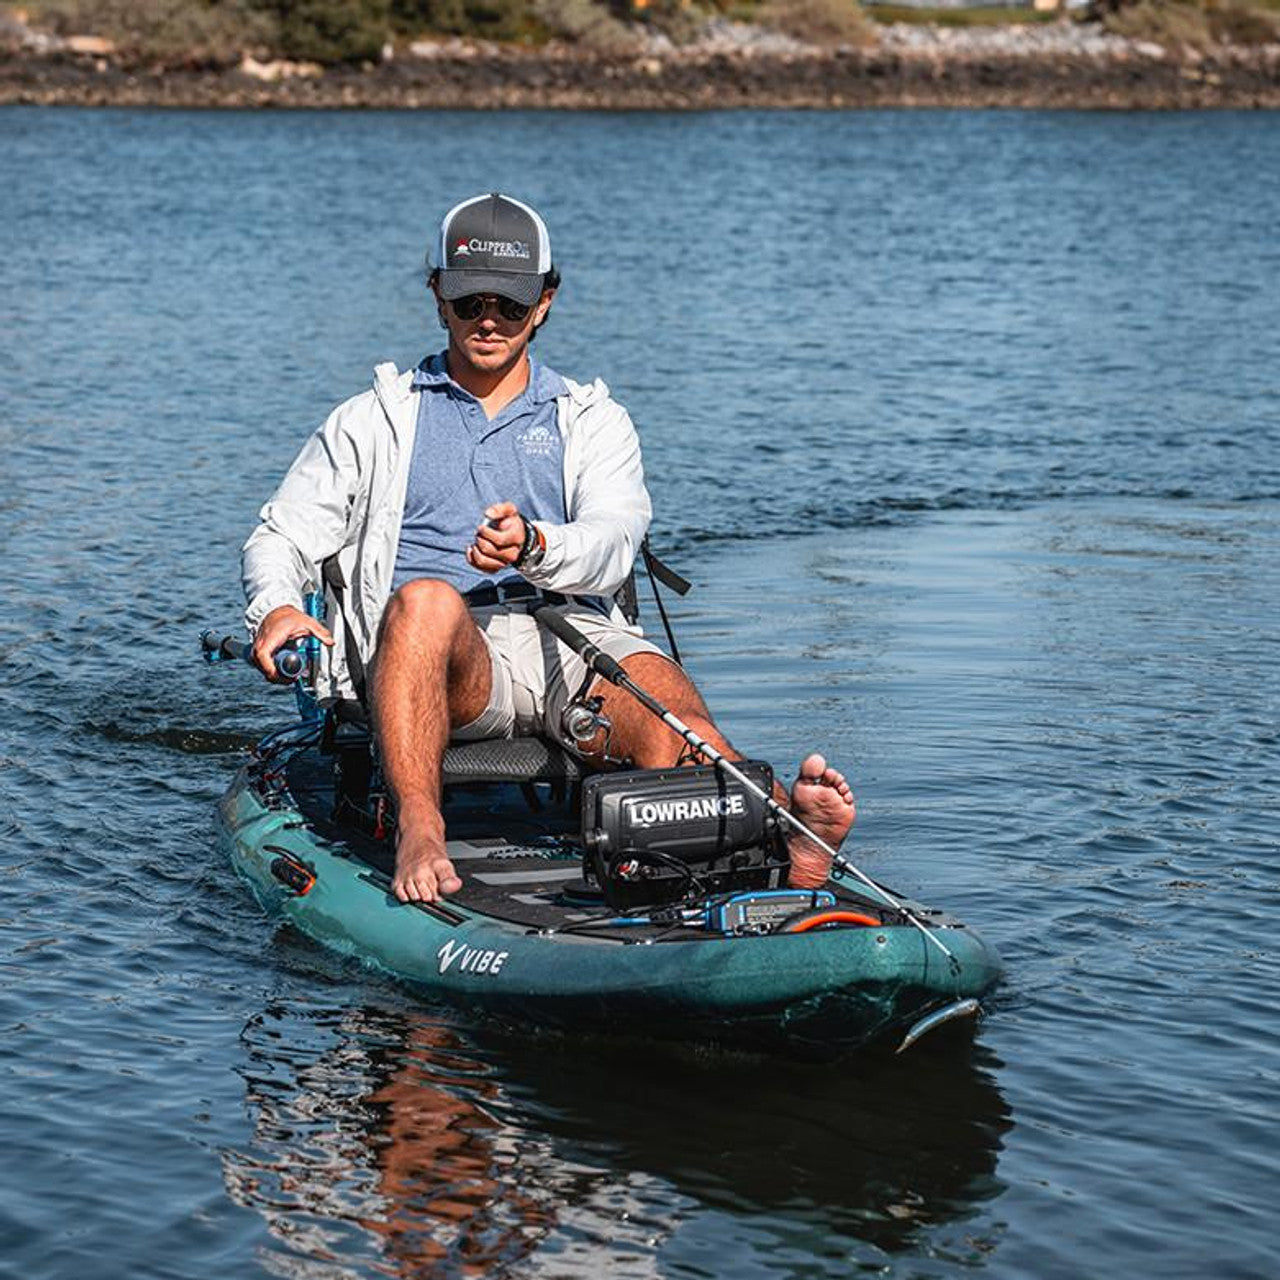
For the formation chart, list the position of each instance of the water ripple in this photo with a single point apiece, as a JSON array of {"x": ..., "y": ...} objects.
[{"x": 965, "y": 427}]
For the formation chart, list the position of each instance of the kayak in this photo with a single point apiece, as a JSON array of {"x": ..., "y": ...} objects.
[{"x": 534, "y": 935}]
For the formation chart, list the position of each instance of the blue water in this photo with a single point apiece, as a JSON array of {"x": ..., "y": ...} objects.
[{"x": 967, "y": 427}]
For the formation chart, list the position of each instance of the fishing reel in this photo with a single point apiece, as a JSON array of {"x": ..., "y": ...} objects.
[{"x": 583, "y": 721}]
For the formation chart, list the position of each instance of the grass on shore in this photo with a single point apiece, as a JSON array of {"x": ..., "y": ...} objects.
[
  {"x": 1194, "y": 24},
  {"x": 978, "y": 16}
]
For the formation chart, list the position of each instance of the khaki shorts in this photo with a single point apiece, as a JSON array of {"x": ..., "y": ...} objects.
[{"x": 534, "y": 674}]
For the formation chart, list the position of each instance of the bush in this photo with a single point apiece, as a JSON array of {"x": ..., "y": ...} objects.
[
  {"x": 329, "y": 31},
  {"x": 1186, "y": 24},
  {"x": 821, "y": 22},
  {"x": 977, "y": 16},
  {"x": 586, "y": 23},
  {"x": 482, "y": 19},
  {"x": 199, "y": 32},
  {"x": 1243, "y": 24},
  {"x": 1170, "y": 23},
  {"x": 679, "y": 20}
]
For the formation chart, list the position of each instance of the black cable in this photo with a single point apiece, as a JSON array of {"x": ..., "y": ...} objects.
[{"x": 693, "y": 883}]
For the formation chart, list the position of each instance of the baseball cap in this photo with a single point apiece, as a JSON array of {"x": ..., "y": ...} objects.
[{"x": 493, "y": 244}]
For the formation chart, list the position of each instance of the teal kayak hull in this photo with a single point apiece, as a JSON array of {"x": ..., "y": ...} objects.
[{"x": 831, "y": 989}]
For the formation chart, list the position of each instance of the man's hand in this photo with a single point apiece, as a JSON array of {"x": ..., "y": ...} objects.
[
  {"x": 498, "y": 540},
  {"x": 278, "y": 628}
]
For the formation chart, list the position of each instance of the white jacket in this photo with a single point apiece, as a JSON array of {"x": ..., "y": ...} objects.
[{"x": 344, "y": 495}]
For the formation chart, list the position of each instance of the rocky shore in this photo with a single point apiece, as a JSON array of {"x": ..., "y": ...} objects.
[{"x": 1061, "y": 65}]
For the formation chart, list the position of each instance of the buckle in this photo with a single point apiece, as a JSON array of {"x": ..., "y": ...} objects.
[{"x": 489, "y": 594}]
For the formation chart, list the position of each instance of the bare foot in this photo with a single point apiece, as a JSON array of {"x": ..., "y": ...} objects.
[
  {"x": 822, "y": 800},
  {"x": 423, "y": 870}
]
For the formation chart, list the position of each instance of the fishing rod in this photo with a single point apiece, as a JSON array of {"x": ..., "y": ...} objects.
[
  {"x": 610, "y": 669},
  {"x": 297, "y": 660},
  {"x": 290, "y": 663}
]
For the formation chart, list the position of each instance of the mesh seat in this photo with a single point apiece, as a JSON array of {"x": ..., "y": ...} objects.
[
  {"x": 488, "y": 760},
  {"x": 509, "y": 760}
]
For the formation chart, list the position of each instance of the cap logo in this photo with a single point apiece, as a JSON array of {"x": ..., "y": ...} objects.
[{"x": 494, "y": 248}]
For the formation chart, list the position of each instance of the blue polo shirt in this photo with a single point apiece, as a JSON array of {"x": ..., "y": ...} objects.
[{"x": 463, "y": 462}]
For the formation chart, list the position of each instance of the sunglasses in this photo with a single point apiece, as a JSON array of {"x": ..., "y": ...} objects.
[{"x": 473, "y": 305}]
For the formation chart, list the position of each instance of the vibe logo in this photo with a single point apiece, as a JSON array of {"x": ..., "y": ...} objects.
[{"x": 470, "y": 959}]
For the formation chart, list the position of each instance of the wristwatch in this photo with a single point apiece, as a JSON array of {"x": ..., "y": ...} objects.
[{"x": 535, "y": 545}]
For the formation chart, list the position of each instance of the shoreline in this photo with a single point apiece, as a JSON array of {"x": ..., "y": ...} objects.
[{"x": 1056, "y": 68}]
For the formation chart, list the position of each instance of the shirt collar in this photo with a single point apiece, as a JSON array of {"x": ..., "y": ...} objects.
[
  {"x": 432, "y": 372},
  {"x": 544, "y": 383}
]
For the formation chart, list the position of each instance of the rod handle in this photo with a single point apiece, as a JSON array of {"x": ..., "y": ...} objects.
[
  {"x": 290, "y": 664},
  {"x": 599, "y": 662}
]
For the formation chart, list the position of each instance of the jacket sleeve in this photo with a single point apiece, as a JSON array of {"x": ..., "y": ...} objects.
[
  {"x": 609, "y": 510},
  {"x": 305, "y": 522}
]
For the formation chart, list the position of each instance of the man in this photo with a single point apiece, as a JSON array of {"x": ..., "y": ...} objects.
[{"x": 452, "y": 497}]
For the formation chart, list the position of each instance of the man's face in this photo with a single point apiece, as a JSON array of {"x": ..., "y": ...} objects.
[{"x": 491, "y": 343}]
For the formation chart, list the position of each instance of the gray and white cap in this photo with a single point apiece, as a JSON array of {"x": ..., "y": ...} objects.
[{"x": 493, "y": 244}]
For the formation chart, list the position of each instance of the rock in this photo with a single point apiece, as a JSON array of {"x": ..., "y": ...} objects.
[
  {"x": 454, "y": 47},
  {"x": 720, "y": 35},
  {"x": 15, "y": 34},
  {"x": 1048, "y": 40},
  {"x": 1060, "y": 64},
  {"x": 279, "y": 69},
  {"x": 91, "y": 46}
]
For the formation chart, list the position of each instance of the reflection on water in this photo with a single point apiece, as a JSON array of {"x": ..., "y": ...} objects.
[
  {"x": 374, "y": 1137},
  {"x": 391, "y": 1141}
]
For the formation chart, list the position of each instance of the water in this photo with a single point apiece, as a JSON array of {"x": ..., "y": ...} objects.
[{"x": 968, "y": 429}]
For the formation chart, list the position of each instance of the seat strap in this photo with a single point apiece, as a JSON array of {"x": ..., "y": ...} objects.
[
  {"x": 663, "y": 572},
  {"x": 627, "y": 600},
  {"x": 659, "y": 572},
  {"x": 332, "y": 574}
]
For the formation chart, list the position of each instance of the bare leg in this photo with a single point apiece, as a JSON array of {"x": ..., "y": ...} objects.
[
  {"x": 821, "y": 797},
  {"x": 431, "y": 674},
  {"x": 637, "y": 733}
]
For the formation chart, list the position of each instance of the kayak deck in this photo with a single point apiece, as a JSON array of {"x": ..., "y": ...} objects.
[
  {"x": 526, "y": 936},
  {"x": 518, "y": 863}
]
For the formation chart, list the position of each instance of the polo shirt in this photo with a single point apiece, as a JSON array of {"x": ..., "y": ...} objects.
[{"x": 464, "y": 462}]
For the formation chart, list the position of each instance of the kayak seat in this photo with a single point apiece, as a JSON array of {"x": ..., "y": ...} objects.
[
  {"x": 509, "y": 760},
  {"x": 487, "y": 760}
]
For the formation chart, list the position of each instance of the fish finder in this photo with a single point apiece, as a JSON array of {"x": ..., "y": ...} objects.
[{"x": 654, "y": 836}]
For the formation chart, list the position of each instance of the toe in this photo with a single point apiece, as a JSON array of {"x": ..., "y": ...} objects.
[
  {"x": 417, "y": 887},
  {"x": 813, "y": 766},
  {"x": 444, "y": 877}
]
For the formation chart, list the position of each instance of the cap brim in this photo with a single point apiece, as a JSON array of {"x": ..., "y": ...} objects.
[{"x": 519, "y": 286}]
